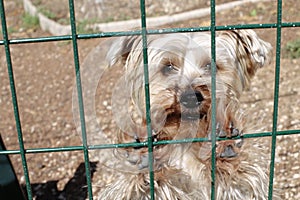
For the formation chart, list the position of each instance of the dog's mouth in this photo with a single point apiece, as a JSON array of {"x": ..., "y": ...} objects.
[
  {"x": 192, "y": 116},
  {"x": 185, "y": 116}
]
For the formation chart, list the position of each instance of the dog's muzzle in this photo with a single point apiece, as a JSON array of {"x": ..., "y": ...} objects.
[{"x": 191, "y": 100}]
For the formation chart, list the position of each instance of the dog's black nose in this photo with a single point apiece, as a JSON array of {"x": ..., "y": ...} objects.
[{"x": 191, "y": 99}]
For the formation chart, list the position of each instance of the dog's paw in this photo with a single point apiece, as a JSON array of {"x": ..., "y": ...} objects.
[
  {"x": 138, "y": 156},
  {"x": 234, "y": 132},
  {"x": 230, "y": 132},
  {"x": 228, "y": 152},
  {"x": 138, "y": 159},
  {"x": 228, "y": 148}
]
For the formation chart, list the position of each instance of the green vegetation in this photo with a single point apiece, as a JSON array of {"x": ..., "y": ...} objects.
[
  {"x": 292, "y": 49},
  {"x": 83, "y": 26},
  {"x": 29, "y": 21},
  {"x": 253, "y": 13},
  {"x": 11, "y": 30},
  {"x": 49, "y": 14}
]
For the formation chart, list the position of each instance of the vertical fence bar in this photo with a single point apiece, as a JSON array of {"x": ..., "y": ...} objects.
[
  {"x": 14, "y": 99},
  {"x": 80, "y": 99},
  {"x": 213, "y": 97},
  {"x": 144, "y": 33},
  {"x": 147, "y": 97},
  {"x": 276, "y": 95}
]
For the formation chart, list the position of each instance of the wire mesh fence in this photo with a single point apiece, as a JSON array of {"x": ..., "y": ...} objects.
[{"x": 144, "y": 32}]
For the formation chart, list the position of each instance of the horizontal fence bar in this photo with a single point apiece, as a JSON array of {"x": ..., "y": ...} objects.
[
  {"x": 144, "y": 144},
  {"x": 69, "y": 37},
  {"x": 154, "y": 31},
  {"x": 44, "y": 150}
]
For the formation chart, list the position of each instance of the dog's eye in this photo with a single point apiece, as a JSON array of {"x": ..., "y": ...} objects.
[
  {"x": 207, "y": 66},
  {"x": 168, "y": 69}
]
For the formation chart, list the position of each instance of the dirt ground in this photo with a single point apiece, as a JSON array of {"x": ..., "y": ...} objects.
[
  {"x": 44, "y": 76},
  {"x": 104, "y": 10}
]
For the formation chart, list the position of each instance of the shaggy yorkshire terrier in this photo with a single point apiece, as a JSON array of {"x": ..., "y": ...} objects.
[{"x": 180, "y": 97}]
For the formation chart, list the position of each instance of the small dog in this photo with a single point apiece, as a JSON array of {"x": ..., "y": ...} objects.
[{"x": 180, "y": 98}]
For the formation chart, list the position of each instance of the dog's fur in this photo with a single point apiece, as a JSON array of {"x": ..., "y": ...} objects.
[{"x": 180, "y": 98}]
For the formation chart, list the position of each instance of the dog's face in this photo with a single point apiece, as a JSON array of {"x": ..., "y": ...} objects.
[
  {"x": 180, "y": 97},
  {"x": 180, "y": 78}
]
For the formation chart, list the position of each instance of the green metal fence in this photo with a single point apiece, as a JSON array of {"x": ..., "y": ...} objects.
[{"x": 74, "y": 37}]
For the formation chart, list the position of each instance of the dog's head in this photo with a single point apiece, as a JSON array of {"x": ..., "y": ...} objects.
[{"x": 180, "y": 76}]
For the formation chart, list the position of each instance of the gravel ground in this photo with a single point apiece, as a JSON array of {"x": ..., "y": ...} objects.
[
  {"x": 44, "y": 75},
  {"x": 104, "y": 10}
]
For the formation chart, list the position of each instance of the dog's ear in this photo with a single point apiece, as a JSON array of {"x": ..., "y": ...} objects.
[
  {"x": 250, "y": 52},
  {"x": 121, "y": 48}
]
